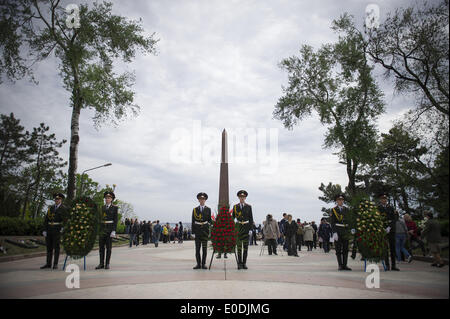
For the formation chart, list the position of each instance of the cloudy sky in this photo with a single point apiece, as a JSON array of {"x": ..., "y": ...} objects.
[{"x": 216, "y": 67}]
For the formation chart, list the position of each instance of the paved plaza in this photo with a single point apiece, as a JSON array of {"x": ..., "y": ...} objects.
[{"x": 166, "y": 272}]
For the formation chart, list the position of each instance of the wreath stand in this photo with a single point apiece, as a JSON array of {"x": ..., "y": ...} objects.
[
  {"x": 212, "y": 257},
  {"x": 261, "y": 252},
  {"x": 65, "y": 261}
]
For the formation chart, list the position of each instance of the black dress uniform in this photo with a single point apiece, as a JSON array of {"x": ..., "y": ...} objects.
[
  {"x": 244, "y": 221},
  {"x": 53, "y": 223},
  {"x": 340, "y": 219},
  {"x": 108, "y": 224},
  {"x": 201, "y": 221},
  {"x": 390, "y": 218}
]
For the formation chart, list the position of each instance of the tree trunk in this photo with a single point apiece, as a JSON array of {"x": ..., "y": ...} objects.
[{"x": 73, "y": 156}]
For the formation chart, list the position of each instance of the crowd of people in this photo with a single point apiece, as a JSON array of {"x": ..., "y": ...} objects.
[
  {"x": 287, "y": 233},
  {"x": 154, "y": 232}
]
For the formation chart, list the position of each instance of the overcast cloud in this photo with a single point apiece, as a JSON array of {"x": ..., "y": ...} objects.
[{"x": 217, "y": 67}]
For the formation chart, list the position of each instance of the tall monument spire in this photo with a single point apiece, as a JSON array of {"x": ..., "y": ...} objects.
[{"x": 224, "y": 198}]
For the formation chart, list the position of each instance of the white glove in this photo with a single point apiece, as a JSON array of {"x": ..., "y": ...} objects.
[
  {"x": 335, "y": 236},
  {"x": 113, "y": 234},
  {"x": 353, "y": 231},
  {"x": 388, "y": 229},
  {"x": 44, "y": 233},
  {"x": 62, "y": 229}
]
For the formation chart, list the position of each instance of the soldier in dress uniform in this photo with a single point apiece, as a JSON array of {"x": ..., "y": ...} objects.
[
  {"x": 201, "y": 221},
  {"x": 390, "y": 217},
  {"x": 340, "y": 221},
  {"x": 242, "y": 212},
  {"x": 53, "y": 229},
  {"x": 108, "y": 225}
]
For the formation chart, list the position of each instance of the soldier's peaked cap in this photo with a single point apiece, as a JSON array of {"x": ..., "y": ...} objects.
[
  {"x": 383, "y": 195},
  {"x": 109, "y": 193},
  {"x": 202, "y": 195},
  {"x": 242, "y": 193},
  {"x": 59, "y": 195},
  {"x": 339, "y": 196}
]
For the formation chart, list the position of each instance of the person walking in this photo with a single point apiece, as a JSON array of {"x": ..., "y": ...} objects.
[
  {"x": 299, "y": 239},
  {"x": 127, "y": 226},
  {"x": 401, "y": 235},
  {"x": 308, "y": 236},
  {"x": 157, "y": 229},
  {"x": 134, "y": 228},
  {"x": 271, "y": 233},
  {"x": 413, "y": 234},
  {"x": 180, "y": 233},
  {"x": 314, "y": 226},
  {"x": 432, "y": 234},
  {"x": 291, "y": 234},
  {"x": 325, "y": 234}
]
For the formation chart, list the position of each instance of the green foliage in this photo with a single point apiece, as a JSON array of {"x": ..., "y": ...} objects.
[
  {"x": 81, "y": 227},
  {"x": 86, "y": 53},
  {"x": 14, "y": 226},
  {"x": 370, "y": 232},
  {"x": 336, "y": 83}
]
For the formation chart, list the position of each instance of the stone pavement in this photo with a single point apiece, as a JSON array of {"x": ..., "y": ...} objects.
[{"x": 166, "y": 272}]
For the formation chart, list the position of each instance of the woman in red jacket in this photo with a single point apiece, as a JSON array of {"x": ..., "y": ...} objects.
[{"x": 413, "y": 236}]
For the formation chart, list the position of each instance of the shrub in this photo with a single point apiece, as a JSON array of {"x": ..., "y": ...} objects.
[{"x": 16, "y": 226}]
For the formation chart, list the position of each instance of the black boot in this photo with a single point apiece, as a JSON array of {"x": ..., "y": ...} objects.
[
  {"x": 344, "y": 262},
  {"x": 239, "y": 261},
  {"x": 339, "y": 260},
  {"x": 244, "y": 260},
  {"x": 46, "y": 266},
  {"x": 197, "y": 266},
  {"x": 100, "y": 266}
]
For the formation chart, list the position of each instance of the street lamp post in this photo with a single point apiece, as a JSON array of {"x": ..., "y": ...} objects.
[{"x": 82, "y": 175}]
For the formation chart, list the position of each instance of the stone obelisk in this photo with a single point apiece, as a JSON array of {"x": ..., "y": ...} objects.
[{"x": 224, "y": 198}]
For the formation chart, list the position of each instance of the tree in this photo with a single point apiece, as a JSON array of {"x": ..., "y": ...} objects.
[
  {"x": 335, "y": 82},
  {"x": 86, "y": 46},
  {"x": 412, "y": 45},
  {"x": 13, "y": 155},
  {"x": 399, "y": 169},
  {"x": 45, "y": 167},
  {"x": 126, "y": 210}
]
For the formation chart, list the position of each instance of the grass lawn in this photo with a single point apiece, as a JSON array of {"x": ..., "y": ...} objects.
[{"x": 12, "y": 249}]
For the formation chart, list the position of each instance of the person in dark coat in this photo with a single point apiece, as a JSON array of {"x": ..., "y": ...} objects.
[
  {"x": 340, "y": 221},
  {"x": 53, "y": 225},
  {"x": 325, "y": 233},
  {"x": 201, "y": 221},
  {"x": 108, "y": 225},
  {"x": 290, "y": 231},
  {"x": 243, "y": 215},
  {"x": 432, "y": 234},
  {"x": 180, "y": 233},
  {"x": 390, "y": 217},
  {"x": 314, "y": 226}
]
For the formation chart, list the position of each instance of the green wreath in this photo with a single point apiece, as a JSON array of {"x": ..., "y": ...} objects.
[
  {"x": 370, "y": 232},
  {"x": 80, "y": 229}
]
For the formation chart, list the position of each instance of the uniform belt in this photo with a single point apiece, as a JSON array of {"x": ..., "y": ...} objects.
[
  {"x": 201, "y": 223},
  {"x": 108, "y": 222},
  {"x": 341, "y": 225},
  {"x": 54, "y": 224},
  {"x": 242, "y": 223}
]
